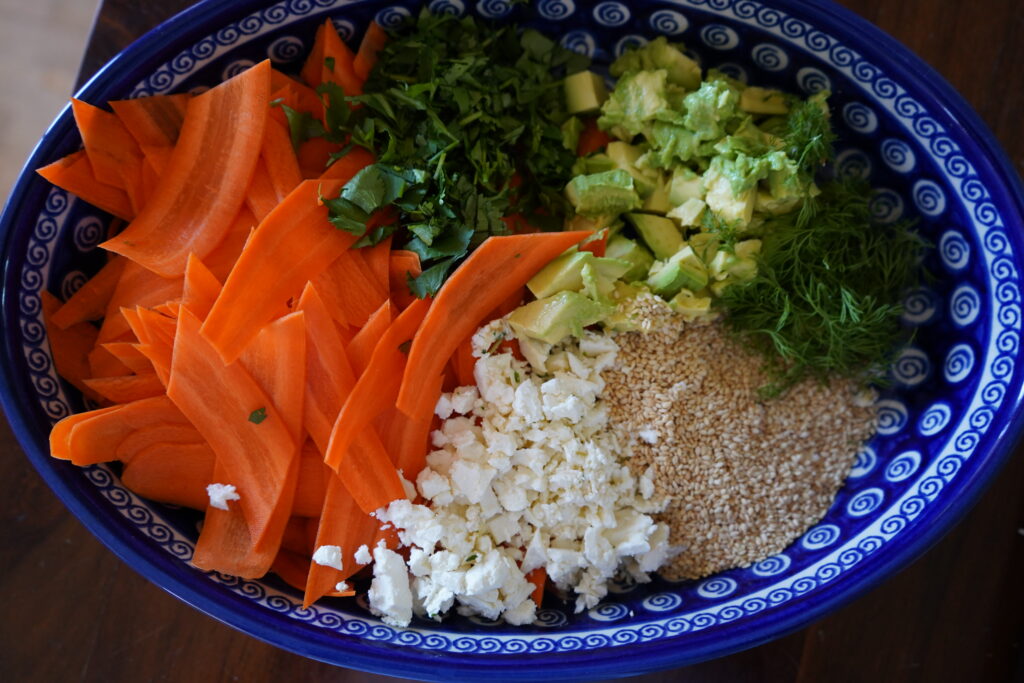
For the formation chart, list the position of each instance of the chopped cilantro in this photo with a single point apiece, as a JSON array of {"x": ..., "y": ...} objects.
[
  {"x": 405, "y": 346},
  {"x": 257, "y": 416},
  {"x": 329, "y": 63}
]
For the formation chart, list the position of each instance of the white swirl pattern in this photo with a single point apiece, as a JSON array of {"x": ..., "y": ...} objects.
[
  {"x": 920, "y": 306},
  {"x": 719, "y": 37},
  {"x": 964, "y": 305},
  {"x": 995, "y": 362},
  {"x": 903, "y": 466},
  {"x": 886, "y": 205},
  {"x": 864, "y": 462},
  {"x": 954, "y": 250},
  {"x": 929, "y": 197},
  {"x": 668, "y": 22},
  {"x": 935, "y": 419},
  {"x": 493, "y": 9},
  {"x": 860, "y": 117},
  {"x": 812, "y": 80},
  {"x": 853, "y": 163},
  {"x": 911, "y": 367},
  {"x": 770, "y": 57},
  {"x": 898, "y": 155},
  {"x": 611, "y": 14}
]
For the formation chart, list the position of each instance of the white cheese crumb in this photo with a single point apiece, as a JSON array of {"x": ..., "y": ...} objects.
[
  {"x": 220, "y": 494},
  {"x": 362, "y": 555},
  {"x": 649, "y": 436},
  {"x": 341, "y": 587},
  {"x": 390, "y": 596},
  {"x": 328, "y": 556}
]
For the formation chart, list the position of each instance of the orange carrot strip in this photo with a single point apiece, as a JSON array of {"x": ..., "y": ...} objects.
[
  {"x": 291, "y": 246},
  {"x": 296, "y": 540},
  {"x": 414, "y": 431},
  {"x": 275, "y": 358},
  {"x": 60, "y": 435},
  {"x": 260, "y": 197},
  {"x": 348, "y": 288},
  {"x": 126, "y": 353},
  {"x": 98, "y": 438},
  {"x": 360, "y": 349},
  {"x": 201, "y": 288},
  {"x": 115, "y": 155},
  {"x": 102, "y": 363},
  {"x": 74, "y": 173},
  {"x": 311, "y": 486},
  {"x": 136, "y": 287},
  {"x": 343, "y": 524},
  {"x": 279, "y": 156},
  {"x": 471, "y": 293},
  {"x": 126, "y": 388},
  {"x": 377, "y": 386},
  {"x": 219, "y": 399},
  {"x": 158, "y": 433},
  {"x": 403, "y": 265},
  {"x": 222, "y": 259},
  {"x": 175, "y": 473},
  {"x": 538, "y": 577},
  {"x": 314, "y": 154},
  {"x": 373, "y": 42},
  {"x": 312, "y": 69},
  {"x": 463, "y": 363},
  {"x": 153, "y": 121},
  {"x": 337, "y": 62},
  {"x": 378, "y": 260},
  {"x": 330, "y": 381},
  {"x": 592, "y": 138},
  {"x": 205, "y": 184},
  {"x": 341, "y": 169},
  {"x": 90, "y": 301},
  {"x": 70, "y": 347}
]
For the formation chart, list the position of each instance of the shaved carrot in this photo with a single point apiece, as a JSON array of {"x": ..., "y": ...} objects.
[
  {"x": 378, "y": 257},
  {"x": 126, "y": 388},
  {"x": 70, "y": 346},
  {"x": 115, "y": 156},
  {"x": 311, "y": 486},
  {"x": 260, "y": 197},
  {"x": 471, "y": 293},
  {"x": 102, "y": 363},
  {"x": 222, "y": 259},
  {"x": 592, "y": 138},
  {"x": 345, "y": 167},
  {"x": 370, "y": 477},
  {"x": 413, "y": 431},
  {"x": 538, "y": 577},
  {"x": 343, "y": 524},
  {"x": 74, "y": 173},
  {"x": 90, "y": 301},
  {"x": 349, "y": 289},
  {"x": 158, "y": 433},
  {"x": 136, "y": 287},
  {"x": 205, "y": 183},
  {"x": 377, "y": 386},
  {"x": 220, "y": 401},
  {"x": 373, "y": 42},
  {"x": 126, "y": 353},
  {"x": 337, "y": 63},
  {"x": 360, "y": 349},
  {"x": 171, "y": 473},
  {"x": 296, "y": 540},
  {"x": 201, "y": 288},
  {"x": 312, "y": 68},
  {"x": 60, "y": 435},
  {"x": 402, "y": 266},
  {"x": 463, "y": 362},
  {"x": 291, "y": 246},
  {"x": 153, "y": 121},
  {"x": 597, "y": 243}
]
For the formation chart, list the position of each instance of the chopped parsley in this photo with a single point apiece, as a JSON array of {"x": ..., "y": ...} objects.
[{"x": 257, "y": 416}]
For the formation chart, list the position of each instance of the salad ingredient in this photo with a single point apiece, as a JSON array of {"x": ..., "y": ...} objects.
[
  {"x": 469, "y": 118},
  {"x": 471, "y": 293},
  {"x": 525, "y": 475},
  {"x": 74, "y": 173},
  {"x": 826, "y": 296},
  {"x": 154, "y": 122},
  {"x": 220, "y": 494},
  {"x": 744, "y": 476},
  {"x": 205, "y": 183}
]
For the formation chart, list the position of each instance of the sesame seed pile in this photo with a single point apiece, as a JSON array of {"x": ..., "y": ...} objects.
[{"x": 744, "y": 477}]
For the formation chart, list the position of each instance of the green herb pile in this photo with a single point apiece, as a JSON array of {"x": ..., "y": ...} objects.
[
  {"x": 826, "y": 297},
  {"x": 466, "y": 122}
]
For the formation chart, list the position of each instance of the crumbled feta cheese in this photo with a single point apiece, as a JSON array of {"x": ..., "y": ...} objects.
[
  {"x": 220, "y": 494},
  {"x": 362, "y": 555},
  {"x": 390, "y": 596},
  {"x": 649, "y": 436},
  {"x": 341, "y": 587},
  {"x": 328, "y": 556},
  {"x": 410, "y": 488}
]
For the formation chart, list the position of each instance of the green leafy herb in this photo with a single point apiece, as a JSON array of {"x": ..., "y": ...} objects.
[
  {"x": 329, "y": 63},
  {"x": 257, "y": 416},
  {"x": 301, "y": 125},
  {"x": 466, "y": 121},
  {"x": 405, "y": 346},
  {"x": 826, "y": 298},
  {"x": 471, "y": 558}
]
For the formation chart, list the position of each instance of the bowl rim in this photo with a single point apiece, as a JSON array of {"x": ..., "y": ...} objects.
[{"x": 165, "y": 40}]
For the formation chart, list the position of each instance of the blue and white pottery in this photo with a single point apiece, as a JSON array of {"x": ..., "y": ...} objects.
[{"x": 947, "y": 424}]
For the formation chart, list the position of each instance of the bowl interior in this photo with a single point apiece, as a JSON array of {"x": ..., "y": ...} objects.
[{"x": 945, "y": 424}]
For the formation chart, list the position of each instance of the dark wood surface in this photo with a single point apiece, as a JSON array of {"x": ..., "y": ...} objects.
[{"x": 72, "y": 611}]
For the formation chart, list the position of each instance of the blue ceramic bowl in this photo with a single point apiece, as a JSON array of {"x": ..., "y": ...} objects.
[{"x": 945, "y": 428}]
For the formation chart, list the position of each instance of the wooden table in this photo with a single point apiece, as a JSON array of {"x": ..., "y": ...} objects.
[{"x": 72, "y": 610}]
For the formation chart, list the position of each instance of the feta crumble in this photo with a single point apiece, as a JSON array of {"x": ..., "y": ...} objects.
[
  {"x": 220, "y": 494},
  {"x": 328, "y": 556},
  {"x": 525, "y": 474},
  {"x": 389, "y": 594},
  {"x": 362, "y": 555}
]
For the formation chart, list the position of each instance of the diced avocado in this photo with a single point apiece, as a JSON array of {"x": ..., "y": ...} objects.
[
  {"x": 748, "y": 248},
  {"x": 660, "y": 54},
  {"x": 720, "y": 263},
  {"x": 657, "y": 200},
  {"x": 603, "y": 194},
  {"x": 685, "y": 185},
  {"x": 704, "y": 244},
  {"x": 638, "y": 98},
  {"x": 748, "y": 139},
  {"x": 658, "y": 232},
  {"x": 535, "y": 351},
  {"x": 571, "y": 130},
  {"x": 688, "y": 214},
  {"x": 553, "y": 318},
  {"x": 690, "y": 306},
  {"x": 625, "y": 249},
  {"x": 684, "y": 269},
  {"x": 610, "y": 223},
  {"x": 770, "y": 205},
  {"x": 671, "y": 144},
  {"x": 585, "y": 92},
  {"x": 757, "y": 100},
  {"x": 594, "y": 163},
  {"x": 709, "y": 108},
  {"x": 625, "y": 157},
  {"x": 719, "y": 286},
  {"x": 563, "y": 273},
  {"x": 611, "y": 268},
  {"x": 745, "y": 266},
  {"x": 721, "y": 199}
]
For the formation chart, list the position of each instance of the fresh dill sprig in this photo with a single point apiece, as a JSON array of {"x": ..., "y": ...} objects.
[{"x": 826, "y": 298}]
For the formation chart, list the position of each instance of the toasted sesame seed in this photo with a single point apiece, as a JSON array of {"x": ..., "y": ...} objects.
[{"x": 743, "y": 476}]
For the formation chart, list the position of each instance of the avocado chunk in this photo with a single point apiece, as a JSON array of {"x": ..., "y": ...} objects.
[
  {"x": 755, "y": 100},
  {"x": 563, "y": 273},
  {"x": 660, "y": 233},
  {"x": 684, "y": 269},
  {"x": 657, "y": 200},
  {"x": 585, "y": 92},
  {"x": 603, "y": 194},
  {"x": 690, "y": 306},
  {"x": 660, "y": 54},
  {"x": 553, "y": 318},
  {"x": 638, "y": 98},
  {"x": 632, "y": 252},
  {"x": 625, "y": 156},
  {"x": 688, "y": 213},
  {"x": 571, "y": 130},
  {"x": 594, "y": 163},
  {"x": 685, "y": 184}
]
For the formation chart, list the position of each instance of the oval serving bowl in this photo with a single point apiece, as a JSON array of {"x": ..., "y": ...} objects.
[{"x": 947, "y": 423}]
